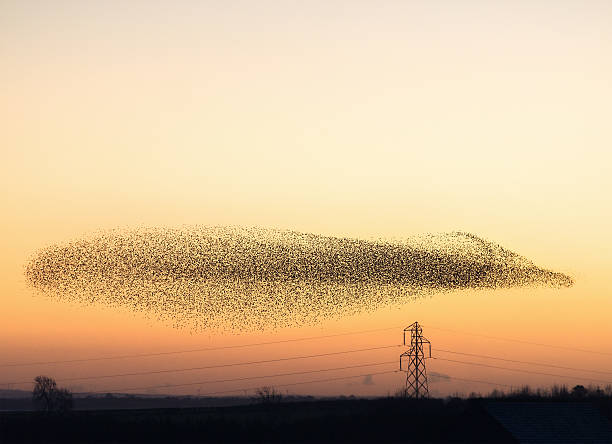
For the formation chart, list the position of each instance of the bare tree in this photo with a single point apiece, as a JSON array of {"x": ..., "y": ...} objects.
[
  {"x": 44, "y": 386},
  {"x": 268, "y": 394},
  {"x": 49, "y": 397},
  {"x": 62, "y": 400}
]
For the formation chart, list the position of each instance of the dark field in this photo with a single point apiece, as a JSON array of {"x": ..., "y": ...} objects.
[
  {"x": 356, "y": 420},
  {"x": 318, "y": 421}
]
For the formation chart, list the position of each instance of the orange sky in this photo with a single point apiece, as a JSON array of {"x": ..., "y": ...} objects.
[{"x": 361, "y": 119}]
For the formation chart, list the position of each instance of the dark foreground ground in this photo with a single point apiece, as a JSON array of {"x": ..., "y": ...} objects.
[
  {"x": 317, "y": 421},
  {"x": 358, "y": 420}
]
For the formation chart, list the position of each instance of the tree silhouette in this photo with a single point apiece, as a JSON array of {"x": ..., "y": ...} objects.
[
  {"x": 579, "y": 391},
  {"x": 268, "y": 395},
  {"x": 49, "y": 397}
]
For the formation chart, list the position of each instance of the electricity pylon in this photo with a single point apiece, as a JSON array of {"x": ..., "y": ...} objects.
[{"x": 412, "y": 362}]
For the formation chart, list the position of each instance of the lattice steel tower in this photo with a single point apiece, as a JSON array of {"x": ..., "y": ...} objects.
[{"x": 412, "y": 362}]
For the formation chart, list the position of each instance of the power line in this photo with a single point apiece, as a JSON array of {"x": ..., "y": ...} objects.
[
  {"x": 520, "y": 341},
  {"x": 525, "y": 362},
  {"x": 329, "y": 369},
  {"x": 330, "y": 354},
  {"x": 520, "y": 370},
  {"x": 281, "y": 375},
  {"x": 332, "y": 379},
  {"x": 321, "y": 355},
  {"x": 302, "y": 382},
  {"x": 479, "y": 381},
  {"x": 256, "y": 344},
  {"x": 239, "y": 379},
  {"x": 216, "y": 365},
  {"x": 195, "y": 350}
]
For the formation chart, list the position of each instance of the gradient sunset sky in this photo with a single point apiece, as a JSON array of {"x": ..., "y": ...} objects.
[{"x": 368, "y": 119}]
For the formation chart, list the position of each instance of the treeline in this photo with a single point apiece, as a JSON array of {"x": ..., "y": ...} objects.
[
  {"x": 553, "y": 393},
  {"x": 600, "y": 397}
]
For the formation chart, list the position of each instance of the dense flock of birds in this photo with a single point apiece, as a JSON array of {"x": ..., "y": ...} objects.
[{"x": 252, "y": 278}]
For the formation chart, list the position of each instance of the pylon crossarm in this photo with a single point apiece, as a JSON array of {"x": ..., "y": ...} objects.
[{"x": 426, "y": 341}]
